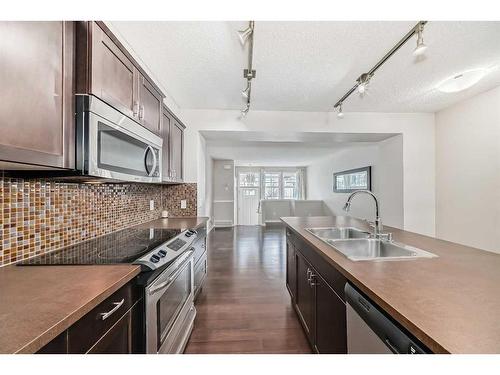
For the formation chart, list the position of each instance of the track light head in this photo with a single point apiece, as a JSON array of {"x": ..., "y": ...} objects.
[
  {"x": 246, "y": 93},
  {"x": 245, "y": 110},
  {"x": 421, "y": 47},
  {"x": 245, "y": 34},
  {"x": 363, "y": 81},
  {"x": 340, "y": 114}
]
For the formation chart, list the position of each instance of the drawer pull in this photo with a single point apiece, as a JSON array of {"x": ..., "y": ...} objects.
[{"x": 106, "y": 315}]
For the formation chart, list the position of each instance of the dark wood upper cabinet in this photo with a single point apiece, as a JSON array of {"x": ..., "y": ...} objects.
[
  {"x": 36, "y": 110},
  {"x": 173, "y": 147},
  {"x": 150, "y": 107},
  {"x": 106, "y": 69},
  {"x": 176, "y": 147},
  {"x": 113, "y": 76}
]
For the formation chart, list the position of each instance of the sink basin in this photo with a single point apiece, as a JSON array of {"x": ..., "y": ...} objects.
[
  {"x": 338, "y": 233},
  {"x": 375, "y": 249}
]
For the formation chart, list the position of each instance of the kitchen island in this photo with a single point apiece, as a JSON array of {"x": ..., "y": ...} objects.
[{"x": 450, "y": 303}]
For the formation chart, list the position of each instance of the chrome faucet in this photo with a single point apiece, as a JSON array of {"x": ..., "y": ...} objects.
[{"x": 377, "y": 228}]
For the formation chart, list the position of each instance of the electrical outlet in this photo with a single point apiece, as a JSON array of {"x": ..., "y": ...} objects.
[
  {"x": 151, "y": 205},
  {"x": 183, "y": 204}
]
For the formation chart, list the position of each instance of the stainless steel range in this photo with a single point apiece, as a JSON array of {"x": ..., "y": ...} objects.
[{"x": 167, "y": 275}]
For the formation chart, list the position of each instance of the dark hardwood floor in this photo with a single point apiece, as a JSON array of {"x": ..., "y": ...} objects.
[{"x": 244, "y": 306}]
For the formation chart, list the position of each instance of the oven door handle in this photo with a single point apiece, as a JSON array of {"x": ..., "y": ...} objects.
[{"x": 169, "y": 281}]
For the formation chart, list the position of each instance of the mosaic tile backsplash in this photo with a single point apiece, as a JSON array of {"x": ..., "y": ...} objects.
[
  {"x": 38, "y": 216},
  {"x": 174, "y": 195}
]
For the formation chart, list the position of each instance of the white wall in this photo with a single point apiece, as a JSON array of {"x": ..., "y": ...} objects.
[
  {"x": 386, "y": 160},
  {"x": 468, "y": 172},
  {"x": 417, "y": 130}
]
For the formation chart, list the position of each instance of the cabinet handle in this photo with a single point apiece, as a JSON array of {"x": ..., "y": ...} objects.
[
  {"x": 135, "y": 109},
  {"x": 308, "y": 274},
  {"x": 106, "y": 315},
  {"x": 141, "y": 112},
  {"x": 312, "y": 279}
]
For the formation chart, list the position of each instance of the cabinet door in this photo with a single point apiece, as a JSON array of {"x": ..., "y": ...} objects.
[
  {"x": 150, "y": 106},
  {"x": 330, "y": 318},
  {"x": 176, "y": 150},
  {"x": 291, "y": 270},
  {"x": 114, "y": 77},
  {"x": 118, "y": 340},
  {"x": 165, "y": 135},
  {"x": 36, "y": 109},
  {"x": 305, "y": 296}
]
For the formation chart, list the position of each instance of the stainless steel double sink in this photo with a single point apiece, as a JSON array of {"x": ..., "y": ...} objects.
[{"x": 358, "y": 245}]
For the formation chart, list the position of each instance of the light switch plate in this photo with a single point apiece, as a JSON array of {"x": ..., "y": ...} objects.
[
  {"x": 151, "y": 205},
  {"x": 183, "y": 204}
]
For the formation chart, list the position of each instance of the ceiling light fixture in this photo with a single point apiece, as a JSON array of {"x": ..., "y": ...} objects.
[
  {"x": 421, "y": 47},
  {"x": 462, "y": 81},
  {"x": 249, "y": 73},
  {"x": 245, "y": 92},
  {"x": 364, "y": 79},
  {"x": 245, "y": 110},
  {"x": 245, "y": 34},
  {"x": 340, "y": 114}
]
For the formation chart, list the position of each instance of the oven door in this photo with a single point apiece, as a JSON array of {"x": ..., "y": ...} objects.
[{"x": 170, "y": 308}]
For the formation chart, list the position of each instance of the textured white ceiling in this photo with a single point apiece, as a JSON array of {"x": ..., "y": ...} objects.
[{"x": 307, "y": 66}]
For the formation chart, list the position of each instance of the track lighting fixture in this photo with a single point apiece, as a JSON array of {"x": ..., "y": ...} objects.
[
  {"x": 364, "y": 79},
  {"x": 245, "y": 34},
  {"x": 421, "y": 47},
  {"x": 249, "y": 73}
]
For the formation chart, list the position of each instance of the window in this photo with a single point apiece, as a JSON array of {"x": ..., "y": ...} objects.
[
  {"x": 272, "y": 185},
  {"x": 249, "y": 179},
  {"x": 352, "y": 180},
  {"x": 290, "y": 188}
]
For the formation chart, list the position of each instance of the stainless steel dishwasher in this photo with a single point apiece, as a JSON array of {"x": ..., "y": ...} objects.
[{"x": 370, "y": 331}]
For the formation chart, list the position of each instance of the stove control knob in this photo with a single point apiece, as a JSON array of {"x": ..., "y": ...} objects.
[
  {"x": 189, "y": 234},
  {"x": 162, "y": 253},
  {"x": 154, "y": 258}
]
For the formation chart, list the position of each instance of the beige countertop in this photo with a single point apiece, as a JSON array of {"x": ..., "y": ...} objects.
[
  {"x": 40, "y": 302},
  {"x": 450, "y": 303}
]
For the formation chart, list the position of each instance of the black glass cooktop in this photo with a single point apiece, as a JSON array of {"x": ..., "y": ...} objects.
[{"x": 123, "y": 246}]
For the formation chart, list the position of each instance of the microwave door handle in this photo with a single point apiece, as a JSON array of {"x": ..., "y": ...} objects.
[{"x": 155, "y": 161}]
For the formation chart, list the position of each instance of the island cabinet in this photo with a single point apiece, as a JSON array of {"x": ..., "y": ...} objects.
[
  {"x": 105, "y": 68},
  {"x": 173, "y": 147},
  {"x": 316, "y": 289},
  {"x": 115, "y": 326},
  {"x": 36, "y": 109}
]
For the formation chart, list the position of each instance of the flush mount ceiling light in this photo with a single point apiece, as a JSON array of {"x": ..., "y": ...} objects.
[
  {"x": 421, "y": 47},
  {"x": 462, "y": 81},
  {"x": 364, "y": 79},
  {"x": 249, "y": 73}
]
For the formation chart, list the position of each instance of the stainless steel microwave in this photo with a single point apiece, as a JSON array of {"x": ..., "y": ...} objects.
[{"x": 112, "y": 146}]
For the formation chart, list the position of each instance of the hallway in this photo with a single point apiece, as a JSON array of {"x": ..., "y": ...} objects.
[{"x": 244, "y": 306}]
